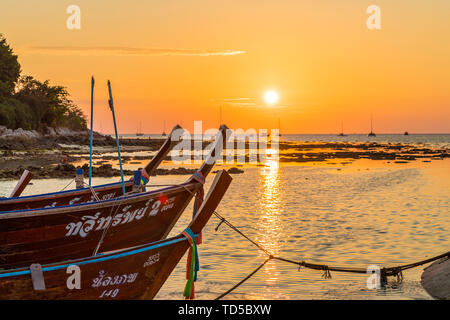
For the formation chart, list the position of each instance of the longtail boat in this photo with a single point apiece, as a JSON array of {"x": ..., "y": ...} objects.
[
  {"x": 47, "y": 235},
  {"x": 132, "y": 273},
  {"x": 82, "y": 195}
]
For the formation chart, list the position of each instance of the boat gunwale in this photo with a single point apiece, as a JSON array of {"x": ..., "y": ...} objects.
[
  {"x": 164, "y": 147},
  {"x": 121, "y": 200},
  {"x": 45, "y": 195},
  {"x": 97, "y": 258}
]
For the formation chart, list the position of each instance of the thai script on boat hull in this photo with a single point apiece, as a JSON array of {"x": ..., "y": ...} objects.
[{"x": 127, "y": 215}]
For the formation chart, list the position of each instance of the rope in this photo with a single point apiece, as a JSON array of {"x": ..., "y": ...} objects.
[
  {"x": 92, "y": 191},
  {"x": 243, "y": 280},
  {"x": 223, "y": 220},
  {"x": 68, "y": 184},
  {"x": 117, "y": 208},
  {"x": 385, "y": 272},
  {"x": 109, "y": 224}
]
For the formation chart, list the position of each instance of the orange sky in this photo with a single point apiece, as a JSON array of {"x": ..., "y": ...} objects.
[{"x": 179, "y": 61}]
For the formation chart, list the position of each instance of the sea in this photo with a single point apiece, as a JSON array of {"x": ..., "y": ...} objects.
[{"x": 363, "y": 214}]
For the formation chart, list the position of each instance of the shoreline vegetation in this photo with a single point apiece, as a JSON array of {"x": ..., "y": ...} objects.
[{"x": 29, "y": 104}]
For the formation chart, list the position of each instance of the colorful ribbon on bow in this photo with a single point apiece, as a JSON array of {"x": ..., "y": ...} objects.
[
  {"x": 198, "y": 176},
  {"x": 192, "y": 265},
  {"x": 144, "y": 177}
]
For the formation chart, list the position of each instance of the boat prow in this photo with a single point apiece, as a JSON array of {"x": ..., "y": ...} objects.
[
  {"x": 50, "y": 234},
  {"x": 103, "y": 192},
  {"x": 132, "y": 273}
]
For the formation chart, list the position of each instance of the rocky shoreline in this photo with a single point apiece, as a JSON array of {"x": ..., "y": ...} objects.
[
  {"x": 56, "y": 138},
  {"x": 65, "y": 171},
  {"x": 44, "y": 154}
]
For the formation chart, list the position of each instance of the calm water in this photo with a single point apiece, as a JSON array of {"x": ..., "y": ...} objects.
[
  {"x": 430, "y": 140},
  {"x": 364, "y": 213}
]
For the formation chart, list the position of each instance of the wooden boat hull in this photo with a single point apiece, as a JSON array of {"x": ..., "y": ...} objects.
[
  {"x": 436, "y": 279},
  {"x": 82, "y": 195},
  {"x": 65, "y": 198},
  {"x": 135, "y": 273},
  {"x": 46, "y": 235},
  {"x": 55, "y": 234},
  {"x": 127, "y": 277}
]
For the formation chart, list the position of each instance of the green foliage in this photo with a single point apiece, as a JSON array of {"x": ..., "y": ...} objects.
[
  {"x": 50, "y": 105},
  {"x": 30, "y": 104},
  {"x": 15, "y": 114},
  {"x": 9, "y": 69}
]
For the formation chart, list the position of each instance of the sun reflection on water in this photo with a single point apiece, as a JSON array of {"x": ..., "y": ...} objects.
[{"x": 269, "y": 224}]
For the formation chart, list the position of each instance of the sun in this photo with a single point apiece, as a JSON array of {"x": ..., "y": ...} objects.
[{"x": 271, "y": 97}]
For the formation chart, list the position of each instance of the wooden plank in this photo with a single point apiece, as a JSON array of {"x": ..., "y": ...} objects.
[
  {"x": 21, "y": 185},
  {"x": 436, "y": 279}
]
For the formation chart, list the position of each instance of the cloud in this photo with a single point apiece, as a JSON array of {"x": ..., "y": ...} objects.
[{"x": 126, "y": 51}]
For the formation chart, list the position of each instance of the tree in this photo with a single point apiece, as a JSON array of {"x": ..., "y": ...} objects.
[
  {"x": 9, "y": 69},
  {"x": 15, "y": 114},
  {"x": 50, "y": 105},
  {"x": 30, "y": 104}
]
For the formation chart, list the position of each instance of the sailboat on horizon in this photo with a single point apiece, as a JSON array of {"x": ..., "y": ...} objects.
[
  {"x": 164, "y": 129},
  {"x": 342, "y": 130},
  {"x": 279, "y": 128},
  {"x": 371, "y": 133},
  {"x": 139, "y": 133}
]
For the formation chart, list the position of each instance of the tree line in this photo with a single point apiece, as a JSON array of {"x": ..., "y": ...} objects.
[{"x": 30, "y": 104}]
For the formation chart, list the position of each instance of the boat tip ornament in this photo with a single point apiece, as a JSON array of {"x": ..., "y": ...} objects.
[{"x": 192, "y": 265}]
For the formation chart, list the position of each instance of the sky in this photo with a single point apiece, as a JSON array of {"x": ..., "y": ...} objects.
[{"x": 177, "y": 61}]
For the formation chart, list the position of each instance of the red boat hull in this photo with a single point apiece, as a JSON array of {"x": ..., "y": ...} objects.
[
  {"x": 56, "y": 234},
  {"x": 135, "y": 273}
]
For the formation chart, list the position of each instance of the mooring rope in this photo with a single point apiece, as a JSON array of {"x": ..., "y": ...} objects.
[
  {"x": 67, "y": 184},
  {"x": 92, "y": 191},
  {"x": 100, "y": 241},
  {"x": 243, "y": 280},
  {"x": 385, "y": 272}
]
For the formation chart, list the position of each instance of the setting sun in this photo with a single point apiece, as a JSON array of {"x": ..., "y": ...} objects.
[{"x": 271, "y": 97}]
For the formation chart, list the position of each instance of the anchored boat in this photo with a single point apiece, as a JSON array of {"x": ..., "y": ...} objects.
[
  {"x": 371, "y": 133},
  {"x": 83, "y": 195},
  {"x": 132, "y": 273},
  {"x": 46, "y": 235}
]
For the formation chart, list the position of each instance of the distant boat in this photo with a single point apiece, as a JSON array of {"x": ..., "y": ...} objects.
[
  {"x": 279, "y": 128},
  {"x": 406, "y": 133},
  {"x": 164, "y": 130},
  {"x": 139, "y": 133},
  {"x": 371, "y": 134},
  {"x": 342, "y": 130}
]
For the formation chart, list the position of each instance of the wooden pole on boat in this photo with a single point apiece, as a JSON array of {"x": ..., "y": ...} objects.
[
  {"x": 111, "y": 105},
  {"x": 23, "y": 182},
  {"x": 92, "y": 122}
]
